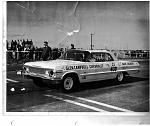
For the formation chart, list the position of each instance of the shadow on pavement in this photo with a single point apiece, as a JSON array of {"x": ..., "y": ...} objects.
[
  {"x": 17, "y": 88},
  {"x": 109, "y": 83}
]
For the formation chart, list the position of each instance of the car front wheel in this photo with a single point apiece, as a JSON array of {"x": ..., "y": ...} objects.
[
  {"x": 69, "y": 84},
  {"x": 120, "y": 77}
]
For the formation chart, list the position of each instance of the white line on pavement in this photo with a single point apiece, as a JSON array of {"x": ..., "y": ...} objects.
[
  {"x": 12, "y": 80},
  {"x": 99, "y": 103},
  {"x": 11, "y": 71},
  {"x": 76, "y": 103}
]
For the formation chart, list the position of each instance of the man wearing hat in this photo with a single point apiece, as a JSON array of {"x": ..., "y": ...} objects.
[{"x": 46, "y": 54}]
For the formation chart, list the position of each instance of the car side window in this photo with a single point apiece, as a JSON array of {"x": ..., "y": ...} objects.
[
  {"x": 96, "y": 57},
  {"x": 79, "y": 57},
  {"x": 108, "y": 57},
  {"x": 99, "y": 57}
]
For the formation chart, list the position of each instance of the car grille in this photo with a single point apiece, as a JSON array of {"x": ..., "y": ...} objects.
[{"x": 37, "y": 70}]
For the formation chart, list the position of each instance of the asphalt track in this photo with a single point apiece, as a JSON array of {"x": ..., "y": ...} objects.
[{"x": 103, "y": 96}]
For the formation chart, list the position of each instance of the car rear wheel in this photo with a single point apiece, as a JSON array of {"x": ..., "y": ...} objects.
[
  {"x": 69, "y": 84},
  {"x": 38, "y": 82},
  {"x": 120, "y": 77}
]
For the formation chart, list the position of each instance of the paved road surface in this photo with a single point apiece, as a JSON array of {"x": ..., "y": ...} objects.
[{"x": 102, "y": 96}]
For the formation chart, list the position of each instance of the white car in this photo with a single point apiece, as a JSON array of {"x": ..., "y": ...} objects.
[{"x": 79, "y": 66}]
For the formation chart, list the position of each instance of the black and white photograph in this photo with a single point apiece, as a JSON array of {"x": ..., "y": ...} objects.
[{"x": 77, "y": 57}]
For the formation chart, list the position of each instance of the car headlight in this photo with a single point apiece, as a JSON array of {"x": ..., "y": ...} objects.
[
  {"x": 49, "y": 72},
  {"x": 137, "y": 64},
  {"x": 26, "y": 69}
]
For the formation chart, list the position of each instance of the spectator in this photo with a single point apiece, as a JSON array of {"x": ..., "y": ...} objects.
[
  {"x": 27, "y": 42},
  {"x": 72, "y": 46},
  {"x": 23, "y": 44},
  {"x": 18, "y": 46},
  {"x": 15, "y": 45},
  {"x": 32, "y": 49},
  {"x": 7, "y": 44},
  {"x": 46, "y": 53},
  {"x": 55, "y": 53},
  {"x": 31, "y": 42},
  {"x": 26, "y": 48},
  {"x": 12, "y": 45}
]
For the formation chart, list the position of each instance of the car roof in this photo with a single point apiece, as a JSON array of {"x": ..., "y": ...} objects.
[
  {"x": 104, "y": 51},
  {"x": 92, "y": 51},
  {"x": 82, "y": 50}
]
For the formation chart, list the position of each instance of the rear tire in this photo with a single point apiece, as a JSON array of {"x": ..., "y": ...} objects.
[
  {"x": 69, "y": 83},
  {"x": 38, "y": 82}
]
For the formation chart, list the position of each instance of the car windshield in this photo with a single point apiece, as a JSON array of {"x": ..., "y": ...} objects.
[{"x": 75, "y": 55}]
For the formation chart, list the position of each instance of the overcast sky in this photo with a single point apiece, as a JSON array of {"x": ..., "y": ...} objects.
[{"x": 115, "y": 25}]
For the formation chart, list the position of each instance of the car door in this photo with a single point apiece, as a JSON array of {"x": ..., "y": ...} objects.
[
  {"x": 108, "y": 67},
  {"x": 91, "y": 73},
  {"x": 111, "y": 66},
  {"x": 101, "y": 66}
]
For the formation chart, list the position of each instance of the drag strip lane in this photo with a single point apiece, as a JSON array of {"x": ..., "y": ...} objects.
[
  {"x": 86, "y": 103},
  {"x": 132, "y": 95},
  {"x": 76, "y": 103},
  {"x": 99, "y": 103},
  {"x": 97, "y": 100}
]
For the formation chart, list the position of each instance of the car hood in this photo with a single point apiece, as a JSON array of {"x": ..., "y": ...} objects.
[{"x": 52, "y": 63}]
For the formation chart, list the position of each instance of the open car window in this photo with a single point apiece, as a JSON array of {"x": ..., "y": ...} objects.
[{"x": 99, "y": 57}]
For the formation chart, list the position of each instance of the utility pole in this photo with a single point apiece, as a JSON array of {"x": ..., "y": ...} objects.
[{"x": 91, "y": 42}]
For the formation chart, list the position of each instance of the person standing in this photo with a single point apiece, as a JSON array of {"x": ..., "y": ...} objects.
[
  {"x": 46, "y": 53},
  {"x": 31, "y": 52},
  {"x": 72, "y": 46}
]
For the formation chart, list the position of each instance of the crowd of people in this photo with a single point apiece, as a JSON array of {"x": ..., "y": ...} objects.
[
  {"x": 25, "y": 49},
  {"x": 20, "y": 45}
]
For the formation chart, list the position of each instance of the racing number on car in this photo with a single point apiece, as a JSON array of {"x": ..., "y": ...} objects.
[{"x": 113, "y": 68}]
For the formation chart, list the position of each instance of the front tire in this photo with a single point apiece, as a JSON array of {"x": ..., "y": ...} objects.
[
  {"x": 120, "y": 77},
  {"x": 69, "y": 83}
]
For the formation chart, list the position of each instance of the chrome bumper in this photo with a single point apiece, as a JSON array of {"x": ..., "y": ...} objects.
[{"x": 52, "y": 80}]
